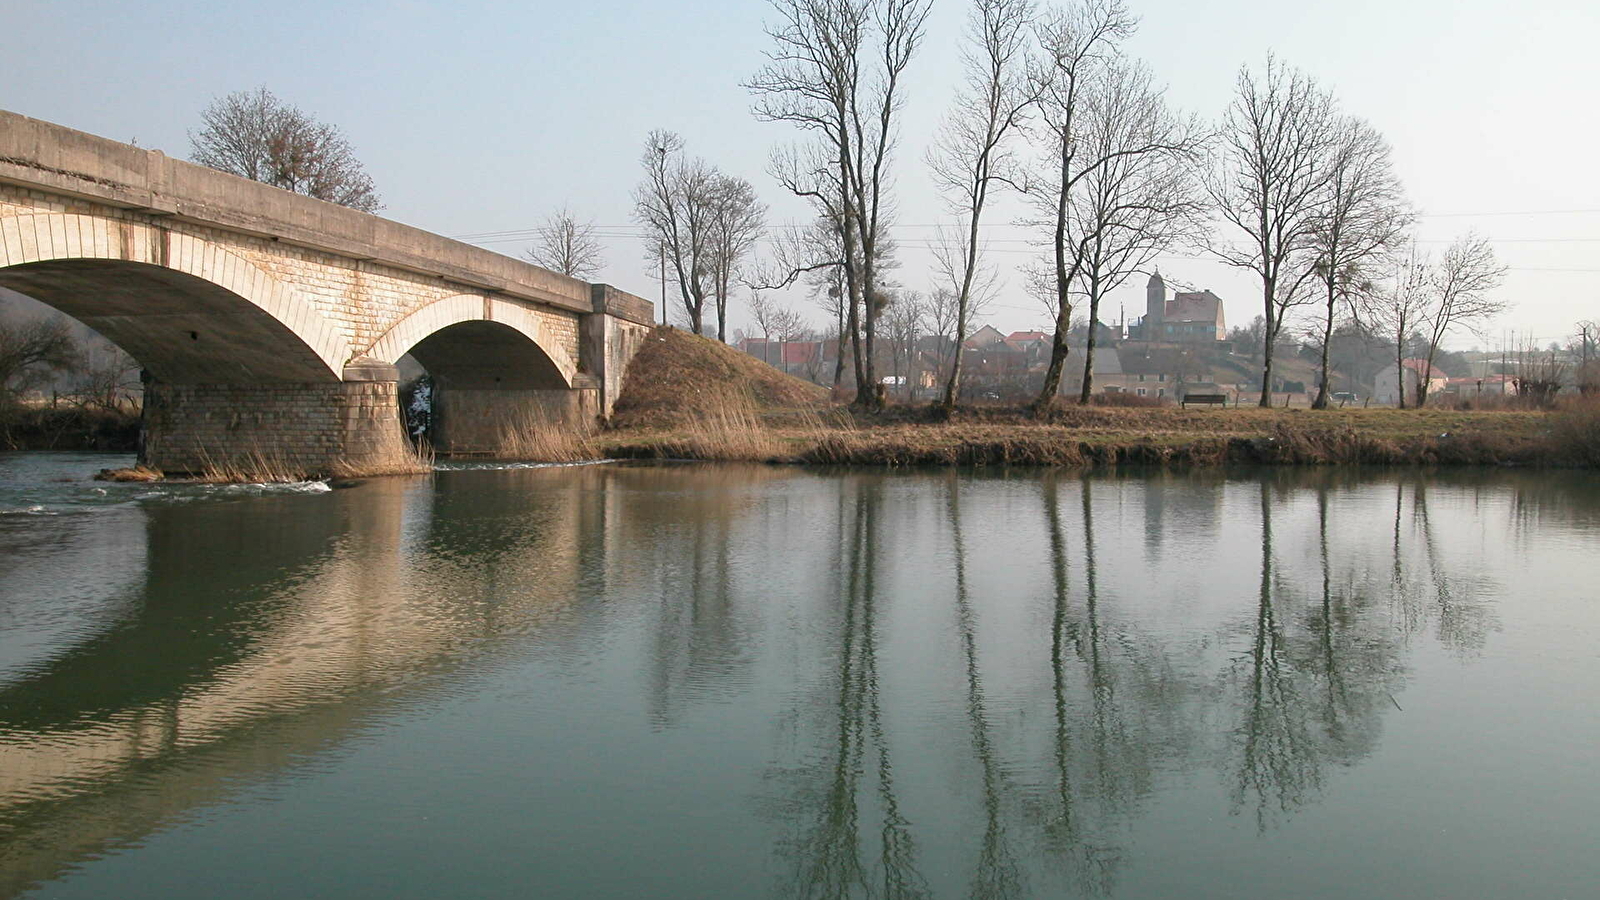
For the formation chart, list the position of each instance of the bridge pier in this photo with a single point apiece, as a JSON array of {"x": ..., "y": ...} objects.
[{"x": 328, "y": 428}]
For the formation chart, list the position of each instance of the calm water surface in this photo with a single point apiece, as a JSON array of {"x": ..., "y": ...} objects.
[{"x": 695, "y": 681}]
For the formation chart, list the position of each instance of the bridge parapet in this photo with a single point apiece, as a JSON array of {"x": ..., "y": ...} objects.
[{"x": 43, "y": 155}]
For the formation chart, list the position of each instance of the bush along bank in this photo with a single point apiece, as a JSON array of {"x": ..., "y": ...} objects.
[{"x": 68, "y": 428}]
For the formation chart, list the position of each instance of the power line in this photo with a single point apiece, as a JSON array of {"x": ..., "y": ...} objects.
[{"x": 790, "y": 226}]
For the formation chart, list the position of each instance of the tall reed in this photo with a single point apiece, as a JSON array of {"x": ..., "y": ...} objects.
[{"x": 536, "y": 436}]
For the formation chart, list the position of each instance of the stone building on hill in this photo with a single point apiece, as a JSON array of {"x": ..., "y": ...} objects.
[{"x": 1188, "y": 317}]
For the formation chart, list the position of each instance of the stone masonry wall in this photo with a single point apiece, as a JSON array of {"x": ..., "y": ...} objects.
[{"x": 312, "y": 429}]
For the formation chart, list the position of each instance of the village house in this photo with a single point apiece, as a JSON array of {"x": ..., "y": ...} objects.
[
  {"x": 1386, "y": 385},
  {"x": 1482, "y": 386}
]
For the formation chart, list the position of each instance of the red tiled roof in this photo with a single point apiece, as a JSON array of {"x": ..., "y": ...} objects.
[{"x": 1420, "y": 366}]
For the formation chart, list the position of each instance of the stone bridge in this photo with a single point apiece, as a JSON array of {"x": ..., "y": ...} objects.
[{"x": 269, "y": 324}]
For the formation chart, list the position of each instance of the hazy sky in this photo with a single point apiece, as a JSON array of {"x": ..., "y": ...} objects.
[{"x": 483, "y": 117}]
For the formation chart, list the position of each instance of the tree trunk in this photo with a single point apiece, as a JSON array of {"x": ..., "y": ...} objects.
[
  {"x": 838, "y": 360},
  {"x": 1088, "y": 348},
  {"x": 873, "y": 399},
  {"x": 1058, "y": 342},
  {"x": 1327, "y": 335},
  {"x": 1267, "y": 335},
  {"x": 1058, "y": 362},
  {"x": 952, "y": 386},
  {"x": 964, "y": 298},
  {"x": 1400, "y": 369}
]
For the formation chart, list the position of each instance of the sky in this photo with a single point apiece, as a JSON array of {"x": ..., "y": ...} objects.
[{"x": 477, "y": 120}]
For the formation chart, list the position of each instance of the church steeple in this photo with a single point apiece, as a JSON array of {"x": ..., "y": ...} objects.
[{"x": 1155, "y": 294}]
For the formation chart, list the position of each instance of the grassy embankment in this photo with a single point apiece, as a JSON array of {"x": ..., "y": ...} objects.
[{"x": 691, "y": 398}]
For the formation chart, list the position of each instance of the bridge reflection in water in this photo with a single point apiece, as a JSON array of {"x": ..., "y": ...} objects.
[{"x": 929, "y": 684}]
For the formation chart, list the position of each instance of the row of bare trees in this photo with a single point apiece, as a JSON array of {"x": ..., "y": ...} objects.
[
  {"x": 701, "y": 224},
  {"x": 835, "y": 72},
  {"x": 1286, "y": 186}
]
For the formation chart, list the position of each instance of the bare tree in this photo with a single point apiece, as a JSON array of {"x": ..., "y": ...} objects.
[
  {"x": 1366, "y": 216},
  {"x": 1459, "y": 296},
  {"x": 775, "y": 320},
  {"x": 1076, "y": 44},
  {"x": 1540, "y": 373},
  {"x": 835, "y": 71},
  {"x": 766, "y": 313},
  {"x": 255, "y": 135},
  {"x": 1271, "y": 185},
  {"x": 737, "y": 221},
  {"x": 904, "y": 319},
  {"x": 563, "y": 244},
  {"x": 1585, "y": 345},
  {"x": 970, "y": 155},
  {"x": 1394, "y": 310},
  {"x": 1140, "y": 199},
  {"x": 943, "y": 318},
  {"x": 31, "y": 351},
  {"x": 674, "y": 203}
]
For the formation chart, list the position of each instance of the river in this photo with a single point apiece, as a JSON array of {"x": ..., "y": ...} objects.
[{"x": 745, "y": 681}]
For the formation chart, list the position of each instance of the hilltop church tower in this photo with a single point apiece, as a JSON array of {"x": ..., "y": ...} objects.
[{"x": 1155, "y": 300}]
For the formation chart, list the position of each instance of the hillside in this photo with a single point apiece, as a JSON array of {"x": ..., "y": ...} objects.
[{"x": 677, "y": 377}]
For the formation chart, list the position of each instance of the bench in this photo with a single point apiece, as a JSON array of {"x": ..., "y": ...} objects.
[{"x": 1205, "y": 399}]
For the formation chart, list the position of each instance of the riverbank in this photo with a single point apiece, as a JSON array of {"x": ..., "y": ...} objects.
[
  {"x": 687, "y": 397},
  {"x": 1093, "y": 436},
  {"x": 68, "y": 428}
]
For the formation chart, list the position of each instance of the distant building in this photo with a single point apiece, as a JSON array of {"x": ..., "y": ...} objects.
[
  {"x": 987, "y": 336},
  {"x": 1185, "y": 318},
  {"x": 1386, "y": 385},
  {"x": 1162, "y": 373},
  {"x": 1482, "y": 386}
]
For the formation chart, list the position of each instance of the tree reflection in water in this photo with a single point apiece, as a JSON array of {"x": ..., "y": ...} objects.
[
  {"x": 997, "y": 874},
  {"x": 1316, "y": 665},
  {"x": 827, "y": 854}
]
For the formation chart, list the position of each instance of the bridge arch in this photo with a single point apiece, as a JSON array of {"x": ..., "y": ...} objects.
[
  {"x": 190, "y": 311},
  {"x": 480, "y": 342}
]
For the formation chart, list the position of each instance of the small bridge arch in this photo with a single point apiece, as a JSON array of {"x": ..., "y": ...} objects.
[
  {"x": 501, "y": 376},
  {"x": 482, "y": 341}
]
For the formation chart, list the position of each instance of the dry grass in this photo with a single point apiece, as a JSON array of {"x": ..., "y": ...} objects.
[
  {"x": 1575, "y": 431},
  {"x": 394, "y": 455},
  {"x": 730, "y": 429},
  {"x": 678, "y": 379},
  {"x": 133, "y": 474},
  {"x": 536, "y": 437},
  {"x": 1098, "y": 436},
  {"x": 254, "y": 466}
]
